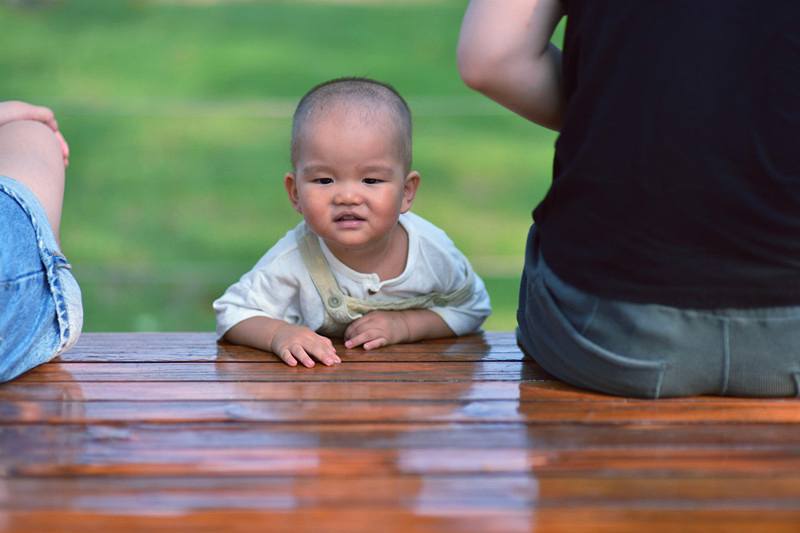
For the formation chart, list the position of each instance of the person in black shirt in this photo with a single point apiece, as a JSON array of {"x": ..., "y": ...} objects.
[{"x": 665, "y": 258}]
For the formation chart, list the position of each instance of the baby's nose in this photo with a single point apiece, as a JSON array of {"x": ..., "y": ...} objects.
[{"x": 348, "y": 194}]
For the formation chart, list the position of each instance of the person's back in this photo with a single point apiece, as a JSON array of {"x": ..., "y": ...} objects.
[
  {"x": 679, "y": 153},
  {"x": 665, "y": 259}
]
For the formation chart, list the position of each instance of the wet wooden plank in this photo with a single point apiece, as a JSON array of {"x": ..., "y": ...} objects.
[
  {"x": 30, "y": 388},
  {"x": 72, "y": 440},
  {"x": 268, "y": 371},
  {"x": 25, "y": 389},
  {"x": 126, "y": 438},
  {"x": 311, "y": 461},
  {"x": 544, "y": 491},
  {"x": 202, "y": 346},
  {"x": 289, "y": 519},
  {"x": 294, "y": 410},
  {"x": 154, "y": 432},
  {"x": 422, "y": 520}
]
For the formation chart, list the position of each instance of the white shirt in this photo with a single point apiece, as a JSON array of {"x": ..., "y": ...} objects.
[{"x": 279, "y": 286}]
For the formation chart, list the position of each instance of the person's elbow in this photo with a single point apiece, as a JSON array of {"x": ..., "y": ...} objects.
[{"x": 475, "y": 66}]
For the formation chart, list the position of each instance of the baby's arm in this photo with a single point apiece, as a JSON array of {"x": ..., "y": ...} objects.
[
  {"x": 290, "y": 342},
  {"x": 504, "y": 52},
  {"x": 382, "y": 328}
]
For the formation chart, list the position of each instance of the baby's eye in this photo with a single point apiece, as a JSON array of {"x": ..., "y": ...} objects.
[
  {"x": 323, "y": 181},
  {"x": 372, "y": 181}
]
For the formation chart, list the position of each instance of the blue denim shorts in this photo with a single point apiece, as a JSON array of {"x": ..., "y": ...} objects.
[
  {"x": 651, "y": 350},
  {"x": 41, "y": 314}
]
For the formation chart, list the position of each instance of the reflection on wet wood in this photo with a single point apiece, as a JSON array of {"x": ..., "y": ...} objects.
[{"x": 155, "y": 432}]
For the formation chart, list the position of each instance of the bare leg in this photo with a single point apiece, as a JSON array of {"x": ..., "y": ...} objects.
[{"x": 31, "y": 153}]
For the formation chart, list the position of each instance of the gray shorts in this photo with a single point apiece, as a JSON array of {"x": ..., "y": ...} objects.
[{"x": 650, "y": 350}]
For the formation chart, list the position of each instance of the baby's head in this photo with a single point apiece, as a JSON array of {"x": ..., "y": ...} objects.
[
  {"x": 351, "y": 159},
  {"x": 370, "y": 100}
]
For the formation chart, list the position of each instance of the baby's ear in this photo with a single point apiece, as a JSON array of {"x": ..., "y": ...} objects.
[
  {"x": 290, "y": 182},
  {"x": 410, "y": 190}
]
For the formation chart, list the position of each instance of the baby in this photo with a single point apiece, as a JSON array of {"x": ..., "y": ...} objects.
[{"x": 360, "y": 266}]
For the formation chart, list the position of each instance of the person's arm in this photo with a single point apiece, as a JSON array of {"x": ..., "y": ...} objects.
[
  {"x": 290, "y": 342},
  {"x": 382, "y": 328},
  {"x": 504, "y": 52}
]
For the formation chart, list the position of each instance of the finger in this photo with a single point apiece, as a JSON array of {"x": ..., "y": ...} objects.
[
  {"x": 300, "y": 354},
  {"x": 360, "y": 339},
  {"x": 350, "y": 330},
  {"x": 287, "y": 358},
  {"x": 38, "y": 113},
  {"x": 356, "y": 328},
  {"x": 64, "y": 147},
  {"x": 44, "y": 114},
  {"x": 377, "y": 343},
  {"x": 351, "y": 342},
  {"x": 327, "y": 354},
  {"x": 63, "y": 142},
  {"x": 329, "y": 361}
]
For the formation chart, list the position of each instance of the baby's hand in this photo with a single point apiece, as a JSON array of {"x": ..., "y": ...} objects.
[
  {"x": 297, "y": 343},
  {"x": 376, "y": 329}
]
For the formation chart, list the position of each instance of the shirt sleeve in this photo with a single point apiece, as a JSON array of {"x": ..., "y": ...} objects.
[
  {"x": 274, "y": 288},
  {"x": 451, "y": 270},
  {"x": 467, "y": 317}
]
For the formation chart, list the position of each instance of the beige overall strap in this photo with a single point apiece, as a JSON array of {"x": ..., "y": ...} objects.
[
  {"x": 322, "y": 276},
  {"x": 424, "y": 301},
  {"x": 341, "y": 309}
]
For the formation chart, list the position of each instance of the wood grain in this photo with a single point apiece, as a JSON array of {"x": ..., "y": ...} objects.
[{"x": 132, "y": 432}]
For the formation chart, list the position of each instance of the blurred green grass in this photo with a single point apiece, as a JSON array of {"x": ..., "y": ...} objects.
[{"x": 178, "y": 117}]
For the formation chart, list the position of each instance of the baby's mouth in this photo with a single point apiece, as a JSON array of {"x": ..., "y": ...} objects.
[{"x": 348, "y": 217}]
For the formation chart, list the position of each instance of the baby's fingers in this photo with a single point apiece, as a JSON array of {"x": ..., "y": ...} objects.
[
  {"x": 377, "y": 343},
  {"x": 321, "y": 349},
  {"x": 286, "y": 355},
  {"x": 356, "y": 333},
  {"x": 295, "y": 344},
  {"x": 298, "y": 353},
  {"x": 370, "y": 339}
]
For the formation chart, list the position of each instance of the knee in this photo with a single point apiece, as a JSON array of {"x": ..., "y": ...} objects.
[
  {"x": 30, "y": 138},
  {"x": 31, "y": 153}
]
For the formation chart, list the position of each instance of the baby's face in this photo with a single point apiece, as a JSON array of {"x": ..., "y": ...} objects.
[{"x": 350, "y": 184}]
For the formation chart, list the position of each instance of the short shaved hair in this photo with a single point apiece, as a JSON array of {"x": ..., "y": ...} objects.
[{"x": 370, "y": 95}]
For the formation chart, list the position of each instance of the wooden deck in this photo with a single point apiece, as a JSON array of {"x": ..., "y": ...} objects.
[{"x": 174, "y": 432}]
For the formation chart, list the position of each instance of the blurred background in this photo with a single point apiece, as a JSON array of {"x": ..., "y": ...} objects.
[{"x": 178, "y": 116}]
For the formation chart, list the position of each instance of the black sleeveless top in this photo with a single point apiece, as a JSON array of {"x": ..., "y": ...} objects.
[{"x": 677, "y": 170}]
